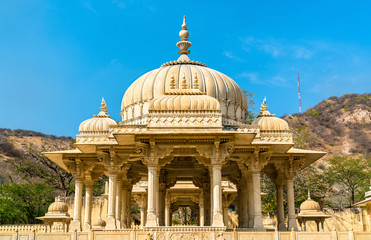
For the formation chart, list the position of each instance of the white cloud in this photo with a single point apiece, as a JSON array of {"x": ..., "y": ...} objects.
[
  {"x": 250, "y": 76},
  {"x": 231, "y": 56},
  {"x": 119, "y": 4},
  {"x": 254, "y": 78},
  {"x": 280, "y": 48},
  {"x": 88, "y": 5},
  {"x": 302, "y": 52},
  {"x": 271, "y": 46}
]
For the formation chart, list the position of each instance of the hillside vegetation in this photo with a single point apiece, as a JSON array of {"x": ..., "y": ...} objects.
[{"x": 338, "y": 125}]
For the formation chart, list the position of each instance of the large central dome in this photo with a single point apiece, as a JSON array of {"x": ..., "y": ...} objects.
[{"x": 135, "y": 103}]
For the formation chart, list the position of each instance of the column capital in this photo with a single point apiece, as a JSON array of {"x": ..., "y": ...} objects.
[{"x": 89, "y": 184}]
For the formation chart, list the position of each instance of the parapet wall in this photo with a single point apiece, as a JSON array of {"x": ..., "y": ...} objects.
[{"x": 186, "y": 234}]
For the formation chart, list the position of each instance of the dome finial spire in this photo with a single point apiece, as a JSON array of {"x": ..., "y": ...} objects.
[
  {"x": 184, "y": 44},
  {"x": 264, "y": 106},
  {"x": 103, "y": 110},
  {"x": 103, "y": 106}
]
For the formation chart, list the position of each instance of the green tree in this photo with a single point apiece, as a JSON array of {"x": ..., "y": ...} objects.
[
  {"x": 311, "y": 179},
  {"x": 250, "y": 105},
  {"x": 35, "y": 166},
  {"x": 22, "y": 203},
  {"x": 348, "y": 172},
  {"x": 301, "y": 135}
]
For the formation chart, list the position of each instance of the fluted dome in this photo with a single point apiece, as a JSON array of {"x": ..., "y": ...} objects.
[
  {"x": 310, "y": 205},
  {"x": 268, "y": 122},
  {"x": 135, "y": 103},
  {"x": 58, "y": 207},
  {"x": 184, "y": 102}
]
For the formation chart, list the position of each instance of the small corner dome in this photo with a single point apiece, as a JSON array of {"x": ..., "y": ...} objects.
[
  {"x": 310, "y": 205},
  {"x": 58, "y": 206},
  {"x": 99, "y": 123},
  {"x": 99, "y": 223},
  {"x": 268, "y": 122}
]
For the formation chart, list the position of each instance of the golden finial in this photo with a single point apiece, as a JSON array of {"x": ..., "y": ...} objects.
[
  {"x": 195, "y": 85},
  {"x": 184, "y": 82},
  {"x": 184, "y": 34},
  {"x": 264, "y": 106},
  {"x": 184, "y": 44},
  {"x": 309, "y": 194},
  {"x": 103, "y": 106}
]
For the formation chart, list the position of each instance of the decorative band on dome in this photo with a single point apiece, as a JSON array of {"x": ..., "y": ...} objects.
[
  {"x": 184, "y": 92},
  {"x": 178, "y": 62}
]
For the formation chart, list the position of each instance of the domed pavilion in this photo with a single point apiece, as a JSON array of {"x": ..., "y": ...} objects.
[
  {"x": 310, "y": 210},
  {"x": 185, "y": 137}
]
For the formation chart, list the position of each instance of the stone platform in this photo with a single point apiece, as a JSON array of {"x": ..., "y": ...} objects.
[{"x": 176, "y": 233}]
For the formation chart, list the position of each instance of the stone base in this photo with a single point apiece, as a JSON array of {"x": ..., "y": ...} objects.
[
  {"x": 75, "y": 226},
  {"x": 258, "y": 222},
  {"x": 118, "y": 224},
  {"x": 86, "y": 227},
  {"x": 218, "y": 220},
  {"x": 282, "y": 227},
  {"x": 123, "y": 225},
  {"x": 292, "y": 224},
  {"x": 111, "y": 223},
  {"x": 151, "y": 220}
]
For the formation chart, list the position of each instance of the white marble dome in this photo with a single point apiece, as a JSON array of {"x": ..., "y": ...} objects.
[
  {"x": 136, "y": 100},
  {"x": 151, "y": 85}
]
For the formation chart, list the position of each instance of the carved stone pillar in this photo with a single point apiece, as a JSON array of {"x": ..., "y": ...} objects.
[
  {"x": 211, "y": 198},
  {"x": 280, "y": 209},
  {"x": 258, "y": 220},
  {"x": 152, "y": 187},
  {"x": 142, "y": 217},
  {"x": 217, "y": 195},
  {"x": 201, "y": 213},
  {"x": 244, "y": 203},
  {"x": 167, "y": 212},
  {"x": 124, "y": 198},
  {"x": 157, "y": 194},
  {"x": 111, "y": 221},
  {"x": 118, "y": 203},
  {"x": 128, "y": 208},
  {"x": 141, "y": 200},
  {"x": 291, "y": 204},
  {"x": 76, "y": 223},
  {"x": 88, "y": 205},
  {"x": 250, "y": 201},
  {"x": 161, "y": 204},
  {"x": 225, "y": 213},
  {"x": 240, "y": 206}
]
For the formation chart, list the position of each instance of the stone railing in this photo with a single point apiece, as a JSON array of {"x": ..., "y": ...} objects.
[{"x": 28, "y": 228}]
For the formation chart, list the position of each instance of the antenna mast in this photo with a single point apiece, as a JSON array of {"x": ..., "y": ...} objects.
[{"x": 299, "y": 94}]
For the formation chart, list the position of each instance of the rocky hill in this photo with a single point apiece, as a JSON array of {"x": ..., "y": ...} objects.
[
  {"x": 338, "y": 125},
  {"x": 18, "y": 144}
]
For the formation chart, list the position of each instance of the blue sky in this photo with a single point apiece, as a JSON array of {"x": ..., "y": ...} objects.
[{"x": 59, "y": 58}]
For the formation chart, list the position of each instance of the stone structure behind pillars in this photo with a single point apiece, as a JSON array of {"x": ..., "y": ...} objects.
[{"x": 184, "y": 133}]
